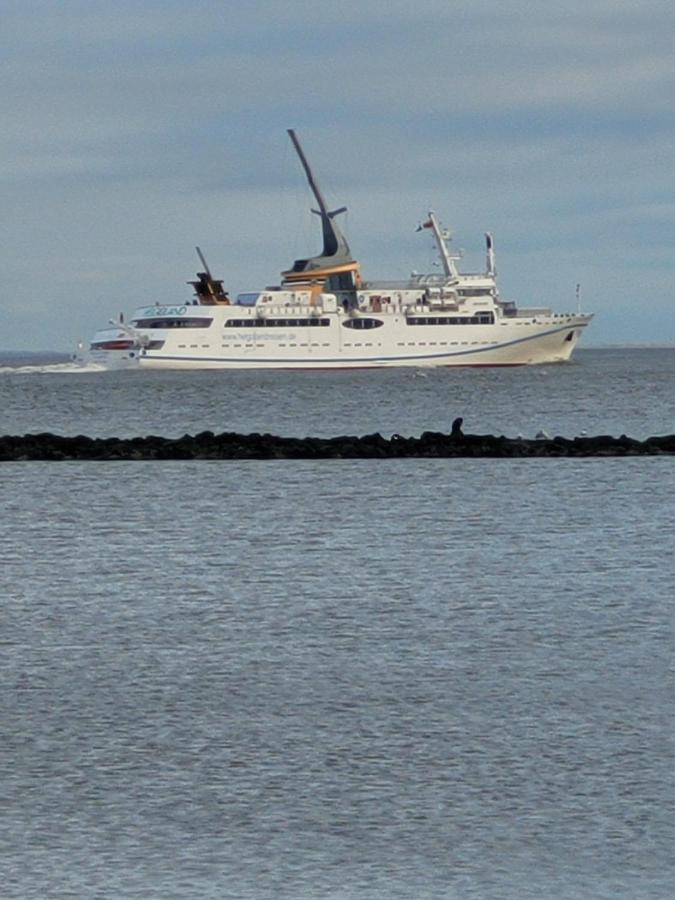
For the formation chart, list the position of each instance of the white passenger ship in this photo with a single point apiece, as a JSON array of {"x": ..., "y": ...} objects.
[{"x": 323, "y": 315}]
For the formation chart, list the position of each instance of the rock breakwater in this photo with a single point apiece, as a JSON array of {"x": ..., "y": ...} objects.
[{"x": 228, "y": 445}]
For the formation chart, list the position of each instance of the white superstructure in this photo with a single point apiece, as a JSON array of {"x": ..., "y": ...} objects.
[{"x": 323, "y": 315}]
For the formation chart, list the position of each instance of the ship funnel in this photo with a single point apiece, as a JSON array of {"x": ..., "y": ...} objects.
[{"x": 335, "y": 247}]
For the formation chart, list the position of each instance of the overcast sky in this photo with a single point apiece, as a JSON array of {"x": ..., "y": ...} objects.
[{"x": 134, "y": 130}]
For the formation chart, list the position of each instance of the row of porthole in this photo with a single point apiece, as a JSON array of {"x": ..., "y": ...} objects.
[
  {"x": 398, "y": 344},
  {"x": 238, "y": 346},
  {"x": 445, "y": 343}
]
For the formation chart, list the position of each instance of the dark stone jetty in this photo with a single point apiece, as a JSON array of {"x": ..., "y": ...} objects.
[{"x": 228, "y": 445}]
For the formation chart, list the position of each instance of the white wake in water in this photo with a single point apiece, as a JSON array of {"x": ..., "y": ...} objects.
[{"x": 65, "y": 368}]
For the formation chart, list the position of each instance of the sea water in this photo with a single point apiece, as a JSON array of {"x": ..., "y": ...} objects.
[
  {"x": 601, "y": 392},
  {"x": 338, "y": 679}
]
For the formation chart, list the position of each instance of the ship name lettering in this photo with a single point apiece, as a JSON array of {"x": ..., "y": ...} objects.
[{"x": 165, "y": 311}]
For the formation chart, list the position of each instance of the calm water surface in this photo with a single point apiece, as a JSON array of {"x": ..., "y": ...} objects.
[
  {"x": 342, "y": 679},
  {"x": 601, "y": 392}
]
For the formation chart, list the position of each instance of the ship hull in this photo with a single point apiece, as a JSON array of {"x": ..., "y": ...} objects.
[{"x": 506, "y": 343}]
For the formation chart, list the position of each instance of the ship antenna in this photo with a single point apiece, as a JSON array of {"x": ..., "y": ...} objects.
[
  {"x": 441, "y": 238},
  {"x": 490, "y": 254},
  {"x": 578, "y": 299},
  {"x": 334, "y": 242},
  {"x": 203, "y": 261}
]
